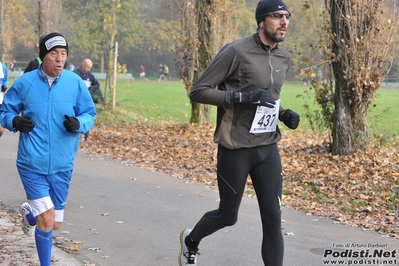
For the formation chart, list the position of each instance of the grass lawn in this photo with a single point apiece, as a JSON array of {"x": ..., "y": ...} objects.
[
  {"x": 149, "y": 102},
  {"x": 158, "y": 102}
]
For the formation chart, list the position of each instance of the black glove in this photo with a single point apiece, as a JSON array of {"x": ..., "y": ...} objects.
[
  {"x": 254, "y": 97},
  {"x": 71, "y": 124},
  {"x": 23, "y": 124},
  {"x": 3, "y": 88},
  {"x": 289, "y": 118}
]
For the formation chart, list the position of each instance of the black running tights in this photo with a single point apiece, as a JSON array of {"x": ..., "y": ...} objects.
[{"x": 263, "y": 164}]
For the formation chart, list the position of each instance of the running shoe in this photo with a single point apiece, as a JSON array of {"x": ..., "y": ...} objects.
[
  {"x": 88, "y": 140},
  {"x": 186, "y": 256},
  {"x": 24, "y": 210}
]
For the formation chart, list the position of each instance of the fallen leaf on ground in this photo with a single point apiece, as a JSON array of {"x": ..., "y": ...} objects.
[{"x": 356, "y": 190}]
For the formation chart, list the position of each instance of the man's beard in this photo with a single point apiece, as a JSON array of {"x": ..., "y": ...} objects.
[{"x": 273, "y": 36}]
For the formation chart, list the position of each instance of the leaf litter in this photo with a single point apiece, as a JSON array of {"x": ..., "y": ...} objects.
[{"x": 357, "y": 190}]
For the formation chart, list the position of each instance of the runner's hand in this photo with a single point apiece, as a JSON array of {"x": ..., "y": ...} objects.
[
  {"x": 23, "y": 124},
  {"x": 71, "y": 124},
  {"x": 289, "y": 118},
  {"x": 258, "y": 97}
]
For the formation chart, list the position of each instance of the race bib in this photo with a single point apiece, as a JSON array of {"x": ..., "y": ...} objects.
[{"x": 265, "y": 119}]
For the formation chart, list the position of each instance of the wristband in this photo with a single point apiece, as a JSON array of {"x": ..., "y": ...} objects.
[{"x": 237, "y": 97}]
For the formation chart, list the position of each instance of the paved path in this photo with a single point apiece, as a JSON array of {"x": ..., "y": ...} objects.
[{"x": 122, "y": 215}]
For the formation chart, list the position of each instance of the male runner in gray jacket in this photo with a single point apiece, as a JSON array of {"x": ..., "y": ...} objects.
[{"x": 244, "y": 80}]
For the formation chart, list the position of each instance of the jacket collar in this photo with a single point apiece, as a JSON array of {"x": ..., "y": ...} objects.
[
  {"x": 261, "y": 44},
  {"x": 43, "y": 76}
]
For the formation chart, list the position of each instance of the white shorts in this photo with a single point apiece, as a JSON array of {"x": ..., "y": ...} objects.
[{"x": 44, "y": 204}]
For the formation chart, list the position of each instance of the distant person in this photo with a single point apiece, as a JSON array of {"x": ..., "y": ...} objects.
[
  {"x": 71, "y": 67},
  {"x": 142, "y": 72},
  {"x": 92, "y": 85},
  {"x": 305, "y": 79},
  {"x": 166, "y": 72},
  {"x": 312, "y": 78},
  {"x": 161, "y": 72},
  {"x": 3, "y": 85},
  {"x": 49, "y": 107},
  {"x": 91, "y": 82},
  {"x": 33, "y": 65},
  {"x": 13, "y": 65}
]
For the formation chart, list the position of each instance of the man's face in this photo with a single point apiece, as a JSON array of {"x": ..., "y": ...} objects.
[
  {"x": 54, "y": 61},
  {"x": 86, "y": 68},
  {"x": 275, "y": 26}
]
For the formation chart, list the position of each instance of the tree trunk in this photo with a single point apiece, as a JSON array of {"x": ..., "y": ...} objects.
[
  {"x": 2, "y": 30},
  {"x": 349, "y": 130},
  {"x": 342, "y": 126},
  {"x": 43, "y": 24},
  {"x": 201, "y": 34},
  {"x": 109, "y": 42},
  {"x": 110, "y": 79},
  {"x": 200, "y": 112}
]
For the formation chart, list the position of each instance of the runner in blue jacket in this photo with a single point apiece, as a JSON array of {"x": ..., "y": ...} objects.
[{"x": 50, "y": 107}]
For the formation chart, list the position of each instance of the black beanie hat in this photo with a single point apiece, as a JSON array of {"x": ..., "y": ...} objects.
[
  {"x": 51, "y": 41},
  {"x": 266, "y": 7}
]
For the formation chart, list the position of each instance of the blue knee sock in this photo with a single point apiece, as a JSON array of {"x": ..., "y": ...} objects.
[
  {"x": 31, "y": 219},
  {"x": 44, "y": 243}
]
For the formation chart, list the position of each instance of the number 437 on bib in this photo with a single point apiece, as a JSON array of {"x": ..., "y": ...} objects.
[{"x": 265, "y": 119}]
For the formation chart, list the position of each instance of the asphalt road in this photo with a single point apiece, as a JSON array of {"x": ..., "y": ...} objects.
[{"x": 123, "y": 215}]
